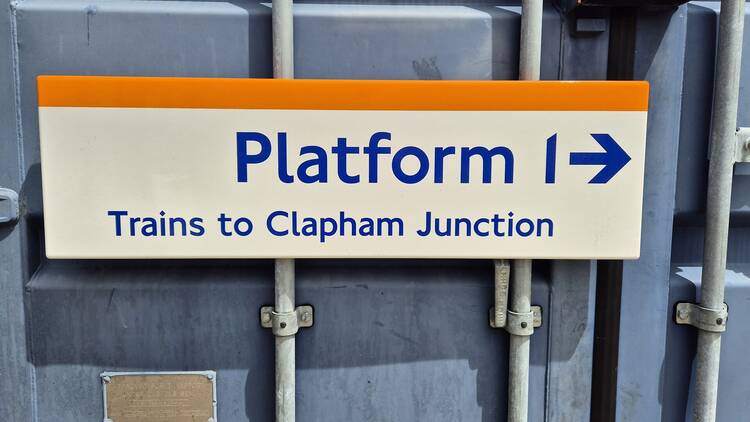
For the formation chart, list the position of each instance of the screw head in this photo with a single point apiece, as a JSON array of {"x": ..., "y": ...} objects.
[
  {"x": 719, "y": 321},
  {"x": 283, "y": 325},
  {"x": 524, "y": 325},
  {"x": 682, "y": 314},
  {"x": 106, "y": 379}
]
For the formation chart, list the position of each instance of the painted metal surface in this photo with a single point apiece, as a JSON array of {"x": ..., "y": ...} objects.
[
  {"x": 16, "y": 386},
  {"x": 681, "y": 341},
  {"x": 661, "y": 387},
  {"x": 660, "y": 46},
  {"x": 702, "y": 26},
  {"x": 417, "y": 346},
  {"x": 346, "y": 366}
]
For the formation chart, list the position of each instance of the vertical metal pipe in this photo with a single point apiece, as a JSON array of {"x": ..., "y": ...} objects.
[
  {"x": 282, "y": 21},
  {"x": 720, "y": 170},
  {"x": 283, "y": 67},
  {"x": 529, "y": 68},
  {"x": 285, "y": 345},
  {"x": 518, "y": 367}
]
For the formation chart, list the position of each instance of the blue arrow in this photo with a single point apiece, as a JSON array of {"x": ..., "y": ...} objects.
[{"x": 613, "y": 158}]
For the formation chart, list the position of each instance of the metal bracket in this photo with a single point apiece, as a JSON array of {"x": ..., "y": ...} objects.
[
  {"x": 743, "y": 145},
  {"x": 519, "y": 324},
  {"x": 9, "y": 209},
  {"x": 713, "y": 320},
  {"x": 284, "y": 324},
  {"x": 591, "y": 25},
  {"x": 502, "y": 285}
]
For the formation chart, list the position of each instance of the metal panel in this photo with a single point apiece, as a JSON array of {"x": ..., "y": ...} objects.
[
  {"x": 403, "y": 42},
  {"x": 696, "y": 115},
  {"x": 393, "y": 340},
  {"x": 415, "y": 42},
  {"x": 659, "y": 56},
  {"x": 572, "y": 292},
  {"x": 687, "y": 243},
  {"x": 16, "y": 384},
  {"x": 570, "y": 320},
  {"x": 105, "y": 38},
  {"x": 131, "y": 38},
  {"x": 656, "y": 355},
  {"x": 734, "y": 386}
]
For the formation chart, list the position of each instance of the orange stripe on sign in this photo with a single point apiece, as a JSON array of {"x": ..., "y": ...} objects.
[{"x": 307, "y": 94}]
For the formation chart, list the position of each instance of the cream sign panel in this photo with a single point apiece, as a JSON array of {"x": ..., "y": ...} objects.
[{"x": 243, "y": 168}]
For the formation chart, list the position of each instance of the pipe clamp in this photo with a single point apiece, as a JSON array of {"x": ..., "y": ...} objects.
[
  {"x": 706, "y": 319},
  {"x": 9, "y": 209},
  {"x": 519, "y": 323},
  {"x": 284, "y": 324}
]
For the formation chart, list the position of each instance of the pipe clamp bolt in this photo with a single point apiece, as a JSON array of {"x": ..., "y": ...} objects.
[{"x": 284, "y": 324}]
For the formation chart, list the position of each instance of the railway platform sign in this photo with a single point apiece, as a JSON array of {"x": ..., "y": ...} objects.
[{"x": 138, "y": 167}]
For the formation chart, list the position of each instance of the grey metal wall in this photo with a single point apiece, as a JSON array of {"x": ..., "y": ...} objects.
[
  {"x": 393, "y": 340},
  {"x": 16, "y": 390},
  {"x": 659, "y": 48},
  {"x": 656, "y": 356}
]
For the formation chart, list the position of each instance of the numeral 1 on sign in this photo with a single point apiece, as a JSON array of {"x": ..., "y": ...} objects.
[{"x": 549, "y": 174}]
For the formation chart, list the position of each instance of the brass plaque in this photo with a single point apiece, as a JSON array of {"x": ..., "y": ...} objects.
[{"x": 155, "y": 397}]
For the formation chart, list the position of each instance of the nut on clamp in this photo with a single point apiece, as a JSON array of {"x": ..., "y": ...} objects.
[{"x": 284, "y": 324}]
